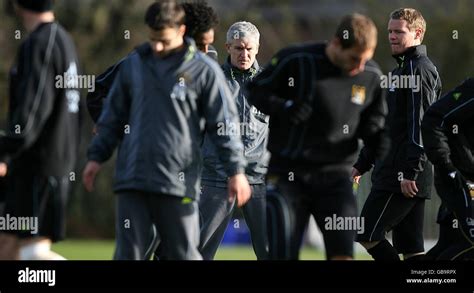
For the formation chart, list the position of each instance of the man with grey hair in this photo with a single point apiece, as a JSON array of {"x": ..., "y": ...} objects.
[{"x": 242, "y": 44}]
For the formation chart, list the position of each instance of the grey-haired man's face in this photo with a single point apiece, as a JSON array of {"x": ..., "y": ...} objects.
[{"x": 242, "y": 53}]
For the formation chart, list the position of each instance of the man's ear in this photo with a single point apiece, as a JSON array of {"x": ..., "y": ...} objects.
[
  {"x": 336, "y": 42},
  {"x": 227, "y": 46},
  {"x": 418, "y": 33},
  {"x": 182, "y": 30}
]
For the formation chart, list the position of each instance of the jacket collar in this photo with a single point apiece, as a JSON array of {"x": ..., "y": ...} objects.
[
  {"x": 190, "y": 50},
  {"x": 410, "y": 53},
  {"x": 469, "y": 82},
  {"x": 235, "y": 72}
]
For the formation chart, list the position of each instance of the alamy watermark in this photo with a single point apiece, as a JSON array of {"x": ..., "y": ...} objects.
[
  {"x": 237, "y": 129},
  {"x": 339, "y": 223},
  {"x": 395, "y": 81},
  {"x": 72, "y": 80},
  {"x": 28, "y": 275},
  {"x": 12, "y": 223}
]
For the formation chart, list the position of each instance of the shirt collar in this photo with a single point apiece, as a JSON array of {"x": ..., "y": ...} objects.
[{"x": 411, "y": 52}]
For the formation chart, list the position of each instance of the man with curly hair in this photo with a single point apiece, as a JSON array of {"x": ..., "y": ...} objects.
[{"x": 201, "y": 20}]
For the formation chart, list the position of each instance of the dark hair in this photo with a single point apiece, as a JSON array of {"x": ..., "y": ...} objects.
[
  {"x": 36, "y": 5},
  {"x": 200, "y": 18},
  {"x": 163, "y": 14},
  {"x": 357, "y": 30}
]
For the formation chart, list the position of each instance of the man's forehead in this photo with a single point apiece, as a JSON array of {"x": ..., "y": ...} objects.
[
  {"x": 244, "y": 42},
  {"x": 162, "y": 33},
  {"x": 398, "y": 23},
  {"x": 206, "y": 36},
  {"x": 361, "y": 53}
]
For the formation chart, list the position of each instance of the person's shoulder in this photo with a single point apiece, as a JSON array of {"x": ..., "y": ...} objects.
[
  {"x": 372, "y": 67},
  {"x": 61, "y": 31},
  {"x": 48, "y": 34},
  {"x": 300, "y": 49},
  {"x": 126, "y": 67},
  {"x": 296, "y": 52},
  {"x": 144, "y": 49},
  {"x": 206, "y": 63},
  {"x": 139, "y": 54},
  {"x": 40, "y": 37},
  {"x": 467, "y": 84},
  {"x": 212, "y": 53},
  {"x": 422, "y": 63}
]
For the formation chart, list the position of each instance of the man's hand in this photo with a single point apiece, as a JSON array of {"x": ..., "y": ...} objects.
[
  {"x": 239, "y": 186},
  {"x": 298, "y": 112},
  {"x": 94, "y": 130},
  {"x": 88, "y": 176},
  {"x": 355, "y": 174},
  {"x": 459, "y": 181},
  {"x": 409, "y": 188},
  {"x": 3, "y": 169}
]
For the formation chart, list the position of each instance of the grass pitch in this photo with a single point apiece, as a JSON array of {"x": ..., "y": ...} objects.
[{"x": 104, "y": 250}]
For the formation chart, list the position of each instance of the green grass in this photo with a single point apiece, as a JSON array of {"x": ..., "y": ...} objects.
[
  {"x": 104, "y": 249},
  {"x": 85, "y": 249}
]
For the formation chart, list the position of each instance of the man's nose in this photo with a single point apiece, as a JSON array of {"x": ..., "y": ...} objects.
[{"x": 159, "y": 46}]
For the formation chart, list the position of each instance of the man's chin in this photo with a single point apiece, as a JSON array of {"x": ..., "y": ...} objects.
[
  {"x": 353, "y": 73},
  {"x": 244, "y": 66},
  {"x": 397, "y": 51}
]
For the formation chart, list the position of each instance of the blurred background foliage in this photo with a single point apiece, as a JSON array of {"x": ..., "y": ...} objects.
[{"x": 100, "y": 29}]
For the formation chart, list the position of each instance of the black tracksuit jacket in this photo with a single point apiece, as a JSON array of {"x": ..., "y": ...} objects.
[
  {"x": 344, "y": 109},
  {"x": 448, "y": 130},
  {"x": 406, "y": 106},
  {"x": 43, "y": 124}
]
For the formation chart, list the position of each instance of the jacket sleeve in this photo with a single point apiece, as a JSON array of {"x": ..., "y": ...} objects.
[
  {"x": 103, "y": 83},
  {"x": 220, "y": 113},
  {"x": 373, "y": 133},
  {"x": 418, "y": 101},
  {"x": 265, "y": 91},
  {"x": 453, "y": 109},
  {"x": 113, "y": 120},
  {"x": 212, "y": 53},
  {"x": 33, "y": 98}
]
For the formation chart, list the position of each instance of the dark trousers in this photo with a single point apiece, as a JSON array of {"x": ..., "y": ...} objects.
[
  {"x": 176, "y": 222},
  {"x": 386, "y": 211},
  {"x": 456, "y": 221},
  {"x": 216, "y": 212},
  {"x": 326, "y": 196},
  {"x": 39, "y": 196}
]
